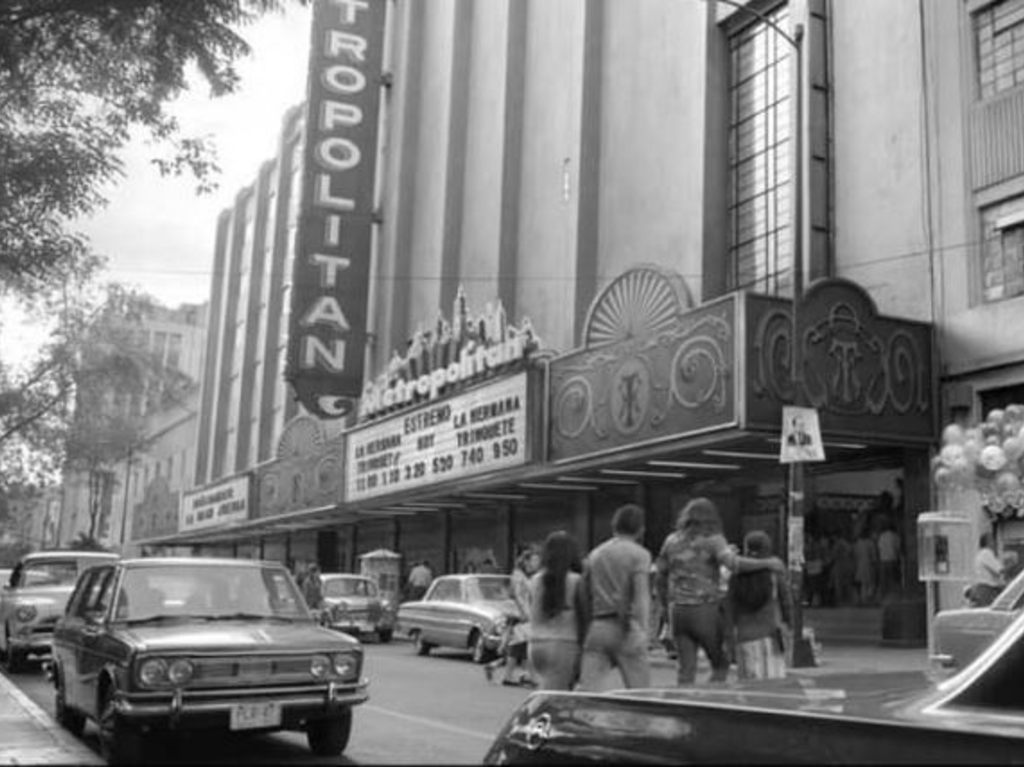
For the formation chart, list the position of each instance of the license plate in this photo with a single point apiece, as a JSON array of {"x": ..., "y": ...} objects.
[{"x": 251, "y": 716}]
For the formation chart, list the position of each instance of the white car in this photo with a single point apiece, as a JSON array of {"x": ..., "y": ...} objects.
[
  {"x": 961, "y": 634},
  {"x": 34, "y": 597}
]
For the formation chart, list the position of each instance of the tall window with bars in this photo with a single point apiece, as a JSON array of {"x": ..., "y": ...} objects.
[
  {"x": 999, "y": 42},
  {"x": 1002, "y": 259},
  {"x": 760, "y": 157}
]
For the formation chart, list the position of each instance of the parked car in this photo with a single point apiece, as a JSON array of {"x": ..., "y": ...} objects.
[
  {"x": 33, "y": 598},
  {"x": 919, "y": 717},
  {"x": 461, "y": 611},
  {"x": 169, "y": 645},
  {"x": 961, "y": 634},
  {"x": 354, "y": 604}
]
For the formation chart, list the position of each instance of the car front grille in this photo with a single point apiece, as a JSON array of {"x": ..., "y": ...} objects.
[{"x": 252, "y": 671}]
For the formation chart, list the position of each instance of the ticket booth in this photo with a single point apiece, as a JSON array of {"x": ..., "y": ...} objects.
[{"x": 385, "y": 567}]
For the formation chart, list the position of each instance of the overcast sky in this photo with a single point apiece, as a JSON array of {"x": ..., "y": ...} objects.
[{"x": 155, "y": 231}]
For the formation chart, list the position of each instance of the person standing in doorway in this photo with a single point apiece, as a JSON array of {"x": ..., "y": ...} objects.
[
  {"x": 616, "y": 577},
  {"x": 557, "y": 615},
  {"x": 689, "y": 570},
  {"x": 888, "y": 559},
  {"x": 865, "y": 555}
]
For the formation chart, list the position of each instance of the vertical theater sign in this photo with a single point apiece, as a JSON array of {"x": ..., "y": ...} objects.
[
  {"x": 330, "y": 282},
  {"x": 460, "y": 403}
]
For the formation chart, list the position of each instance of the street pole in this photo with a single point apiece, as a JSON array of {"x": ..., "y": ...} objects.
[{"x": 803, "y": 651}]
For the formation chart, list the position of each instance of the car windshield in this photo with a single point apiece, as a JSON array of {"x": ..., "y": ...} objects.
[
  {"x": 208, "y": 591},
  {"x": 489, "y": 589},
  {"x": 51, "y": 572},
  {"x": 349, "y": 587}
]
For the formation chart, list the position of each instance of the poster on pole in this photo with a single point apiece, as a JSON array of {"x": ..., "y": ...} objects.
[{"x": 801, "y": 436}]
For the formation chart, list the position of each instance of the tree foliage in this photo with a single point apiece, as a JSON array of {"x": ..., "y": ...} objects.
[
  {"x": 76, "y": 78},
  {"x": 84, "y": 404}
]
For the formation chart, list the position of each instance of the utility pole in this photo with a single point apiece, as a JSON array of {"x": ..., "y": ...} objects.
[{"x": 803, "y": 652}]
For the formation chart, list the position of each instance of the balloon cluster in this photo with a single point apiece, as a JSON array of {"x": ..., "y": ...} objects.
[{"x": 988, "y": 458}]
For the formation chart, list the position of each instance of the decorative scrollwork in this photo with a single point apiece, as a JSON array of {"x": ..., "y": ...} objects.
[
  {"x": 774, "y": 361},
  {"x": 907, "y": 388},
  {"x": 574, "y": 407},
  {"x": 699, "y": 373}
]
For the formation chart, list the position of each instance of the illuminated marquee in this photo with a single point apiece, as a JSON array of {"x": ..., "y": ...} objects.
[
  {"x": 330, "y": 282},
  {"x": 481, "y": 430},
  {"x": 442, "y": 359}
]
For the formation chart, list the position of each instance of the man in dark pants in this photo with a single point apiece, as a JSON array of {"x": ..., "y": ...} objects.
[{"x": 616, "y": 578}]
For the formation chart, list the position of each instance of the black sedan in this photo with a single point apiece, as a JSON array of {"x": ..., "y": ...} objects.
[
  {"x": 168, "y": 645},
  {"x": 976, "y": 716}
]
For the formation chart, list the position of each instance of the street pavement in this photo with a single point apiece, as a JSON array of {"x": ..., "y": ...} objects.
[
  {"x": 403, "y": 708},
  {"x": 29, "y": 735}
]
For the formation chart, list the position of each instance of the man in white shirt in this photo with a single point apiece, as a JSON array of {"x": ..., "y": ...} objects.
[{"x": 988, "y": 573}]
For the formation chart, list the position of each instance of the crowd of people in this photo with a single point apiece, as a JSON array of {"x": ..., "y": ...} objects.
[
  {"x": 861, "y": 567},
  {"x": 582, "y": 618}
]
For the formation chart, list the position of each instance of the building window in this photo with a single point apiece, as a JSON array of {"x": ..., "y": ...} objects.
[
  {"x": 1002, "y": 260},
  {"x": 760, "y": 159},
  {"x": 999, "y": 41}
]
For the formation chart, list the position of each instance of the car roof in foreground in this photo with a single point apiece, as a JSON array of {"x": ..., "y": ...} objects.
[
  {"x": 70, "y": 554},
  {"x": 197, "y": 562}
]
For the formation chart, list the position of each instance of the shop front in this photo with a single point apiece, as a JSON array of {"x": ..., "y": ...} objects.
[{"x": 684, "y": 400}]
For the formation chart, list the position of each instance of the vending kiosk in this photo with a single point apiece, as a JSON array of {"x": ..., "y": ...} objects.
[{"x": 385, "y": 568}]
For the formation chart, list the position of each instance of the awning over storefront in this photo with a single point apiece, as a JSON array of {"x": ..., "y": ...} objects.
[
  {"x": 307, "y": 519},
  {"x": 659, "y": 390}
]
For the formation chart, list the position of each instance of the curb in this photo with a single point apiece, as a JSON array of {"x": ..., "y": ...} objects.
[{"x": 65, "y": 749}]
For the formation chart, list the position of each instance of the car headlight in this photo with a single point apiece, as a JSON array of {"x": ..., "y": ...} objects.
[
  {"x": 180, "y": 671},
  {"x": 153, "y": 672},
  {"x": 320, "y": 666},
  {"x": 26, "y": 613},
  {"x": 346, "y": 665}
]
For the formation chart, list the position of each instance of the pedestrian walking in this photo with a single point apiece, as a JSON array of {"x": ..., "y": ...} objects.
[
  {"x": 557, "y": 615},
  {"x": 760, "y": 608},
  {"x": 865, "y": 555},
  {"x": 312, "y": 587},
  {"x": 419, "y": 581},
  {"x": 689, "y": 572},
  {"x": 616, "y": 577},
  {"x": 513, "y": 654}
]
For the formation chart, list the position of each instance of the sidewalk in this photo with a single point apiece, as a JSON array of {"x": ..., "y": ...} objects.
[
  {"x": 29, "y": 735},
  {"x": 830, "y": 659}
]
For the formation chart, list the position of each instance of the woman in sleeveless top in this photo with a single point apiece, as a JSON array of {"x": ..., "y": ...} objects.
[{"x": 556, "y": 614}]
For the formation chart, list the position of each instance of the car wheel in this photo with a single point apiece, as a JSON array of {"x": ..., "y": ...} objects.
[
  {"x": 479, "y": 648},
  {"x": 384, "y": 635},
  {"x": 328, "y": 737},
  {"x": 120, "y": 743},
  {"x": 68, "y": 718},
  {"x": 421, "y": 647}
]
